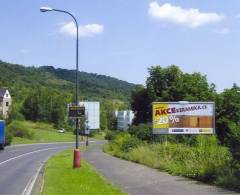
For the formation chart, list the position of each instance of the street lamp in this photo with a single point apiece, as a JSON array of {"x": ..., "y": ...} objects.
[
  {"x": 45, "y": 9},
  {"x": 76, "y": 163}
]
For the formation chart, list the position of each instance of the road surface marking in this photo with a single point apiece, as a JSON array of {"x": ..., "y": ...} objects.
[
  {"x": 22, "y": 155},
  {"x": 55, "y": 143},
  {"x": 29, "y": 187},
  {"x": 34, "y": 144},
  {"x": 16, "y": 150}
]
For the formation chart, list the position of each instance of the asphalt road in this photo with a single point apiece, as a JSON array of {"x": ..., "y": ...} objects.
[
  {"x": 141, "y": 180},
  {"x": 19, "y": 165}
]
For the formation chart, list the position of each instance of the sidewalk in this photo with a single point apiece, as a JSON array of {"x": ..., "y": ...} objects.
[{"x": 141, "y": 180}]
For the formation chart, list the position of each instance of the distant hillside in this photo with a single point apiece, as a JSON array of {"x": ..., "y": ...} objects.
[{"x": 20, "y": 80}]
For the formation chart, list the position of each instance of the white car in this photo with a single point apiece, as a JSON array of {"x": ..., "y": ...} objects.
[{"x": 62, "y": 130}]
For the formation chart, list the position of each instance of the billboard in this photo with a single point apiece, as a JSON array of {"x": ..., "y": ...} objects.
[
  {"x": 92, "y": 113},
  {"x": 183, "y": 118}
]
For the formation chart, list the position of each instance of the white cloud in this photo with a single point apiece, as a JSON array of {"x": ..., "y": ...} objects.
[
  {"x": 24, "y": 51},
  {"x": 222, "y": 31},
  {"x": 88, "y": 30},
  {"x": 191, "y": 18}
]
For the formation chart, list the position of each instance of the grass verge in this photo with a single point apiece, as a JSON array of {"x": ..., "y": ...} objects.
[
  {"x": 99, "y": 135},
  {"x": 62, "y": 179},
  {"x": 40, "y": 133}
]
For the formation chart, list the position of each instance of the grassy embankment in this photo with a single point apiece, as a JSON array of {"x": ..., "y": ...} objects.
[
  {"x": 61, "y": 179},
  {"x": 26, "y": 132},
  {"x": 206, "y": 160}
]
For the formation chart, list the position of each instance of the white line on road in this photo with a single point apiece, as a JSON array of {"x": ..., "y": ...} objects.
[
  {"x": 22, "y": 155},
  {"x": 55, "y": 143},
  {"x": 34, "y": 144},
  {"x": 29, "y": 187}
]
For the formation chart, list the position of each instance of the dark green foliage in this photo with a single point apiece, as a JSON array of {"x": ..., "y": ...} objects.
[
  {"x": 44, "y": 105},
  {"x": 142, "y": 131},
  {"x": 228, "y": 119},
  {"x": 129, "y": 143},
  {"x": 93, "y": 85},
  {"x": 14, "y": 113},
  {"x": 163, "y": 83},
  {"x": 123, "y": 141},
  {"x": 171, "y": 84},
  {"x": 18, "y": 130},
  {"x": 141, "y": 104},
  {"x": 8, "y": 137},
  {"x": 110, "y": 135}
]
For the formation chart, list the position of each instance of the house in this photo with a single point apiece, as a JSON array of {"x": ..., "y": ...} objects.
[
  {"x": 124, "y": 119},
  {"x": 5, "y": 102}
]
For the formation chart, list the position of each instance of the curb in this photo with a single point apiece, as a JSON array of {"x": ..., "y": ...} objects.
[
  {"x": 35, "y": 184},
  {"x": 39, "y": 183}
]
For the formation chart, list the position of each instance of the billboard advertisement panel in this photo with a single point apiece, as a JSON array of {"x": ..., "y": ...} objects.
[
  {"x": 183, "y": 118},
  {"x": 92, "y": 114}
]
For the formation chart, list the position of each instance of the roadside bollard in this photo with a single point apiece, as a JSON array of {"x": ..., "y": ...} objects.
[{"x": 77, "y": 159}]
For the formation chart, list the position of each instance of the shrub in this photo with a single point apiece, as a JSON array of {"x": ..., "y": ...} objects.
[
  {"x": 129, "y": 143},
  {"x": 19, "y": 130},
  {"x": 125, "y": 142},
  {"x": 142, "y": 131},
  {"x": 110, "y": 135},
  {"x": 8, "y": 138}
]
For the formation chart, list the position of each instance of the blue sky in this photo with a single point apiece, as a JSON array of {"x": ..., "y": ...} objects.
[{"x": 122, "y": 38}]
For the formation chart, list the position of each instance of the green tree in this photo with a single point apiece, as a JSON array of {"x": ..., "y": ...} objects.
[
  {"x": 45, "y": 105},
  {"x": 32, "y": 106},
  {"x": 107, "y": 115},
  {"x": 163, "y": 83},
  {"x": 141, "y": 105},
  {"x": 169, "y": 84},
  {"x": 228, "y": 119}
]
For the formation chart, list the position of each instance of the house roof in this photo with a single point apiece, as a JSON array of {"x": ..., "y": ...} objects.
[{"x": 2, "y": 92}]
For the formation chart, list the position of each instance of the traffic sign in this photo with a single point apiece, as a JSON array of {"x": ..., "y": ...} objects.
[{"x": 76, "y": 111}]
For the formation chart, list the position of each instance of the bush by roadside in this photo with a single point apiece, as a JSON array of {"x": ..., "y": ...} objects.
[
  {"x": 110, "y": 135},
  {"x": 19, "y": 130},
  {"x": 8, "y": 138},
  {"x": 142, "y": 131}
]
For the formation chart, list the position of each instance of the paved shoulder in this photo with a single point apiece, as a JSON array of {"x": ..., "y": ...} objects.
[{"x": 141, "y": 180}]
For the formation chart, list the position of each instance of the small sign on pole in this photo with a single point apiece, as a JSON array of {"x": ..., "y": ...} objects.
[{"x": 76, "y": 111}]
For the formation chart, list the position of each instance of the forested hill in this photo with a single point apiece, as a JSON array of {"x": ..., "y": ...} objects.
[
  {"x": 20, "y": 80},
  {"x": 94, "y": 84}
]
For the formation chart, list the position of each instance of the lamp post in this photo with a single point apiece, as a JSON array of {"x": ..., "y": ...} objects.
[{"x": 76, "y": 163}]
